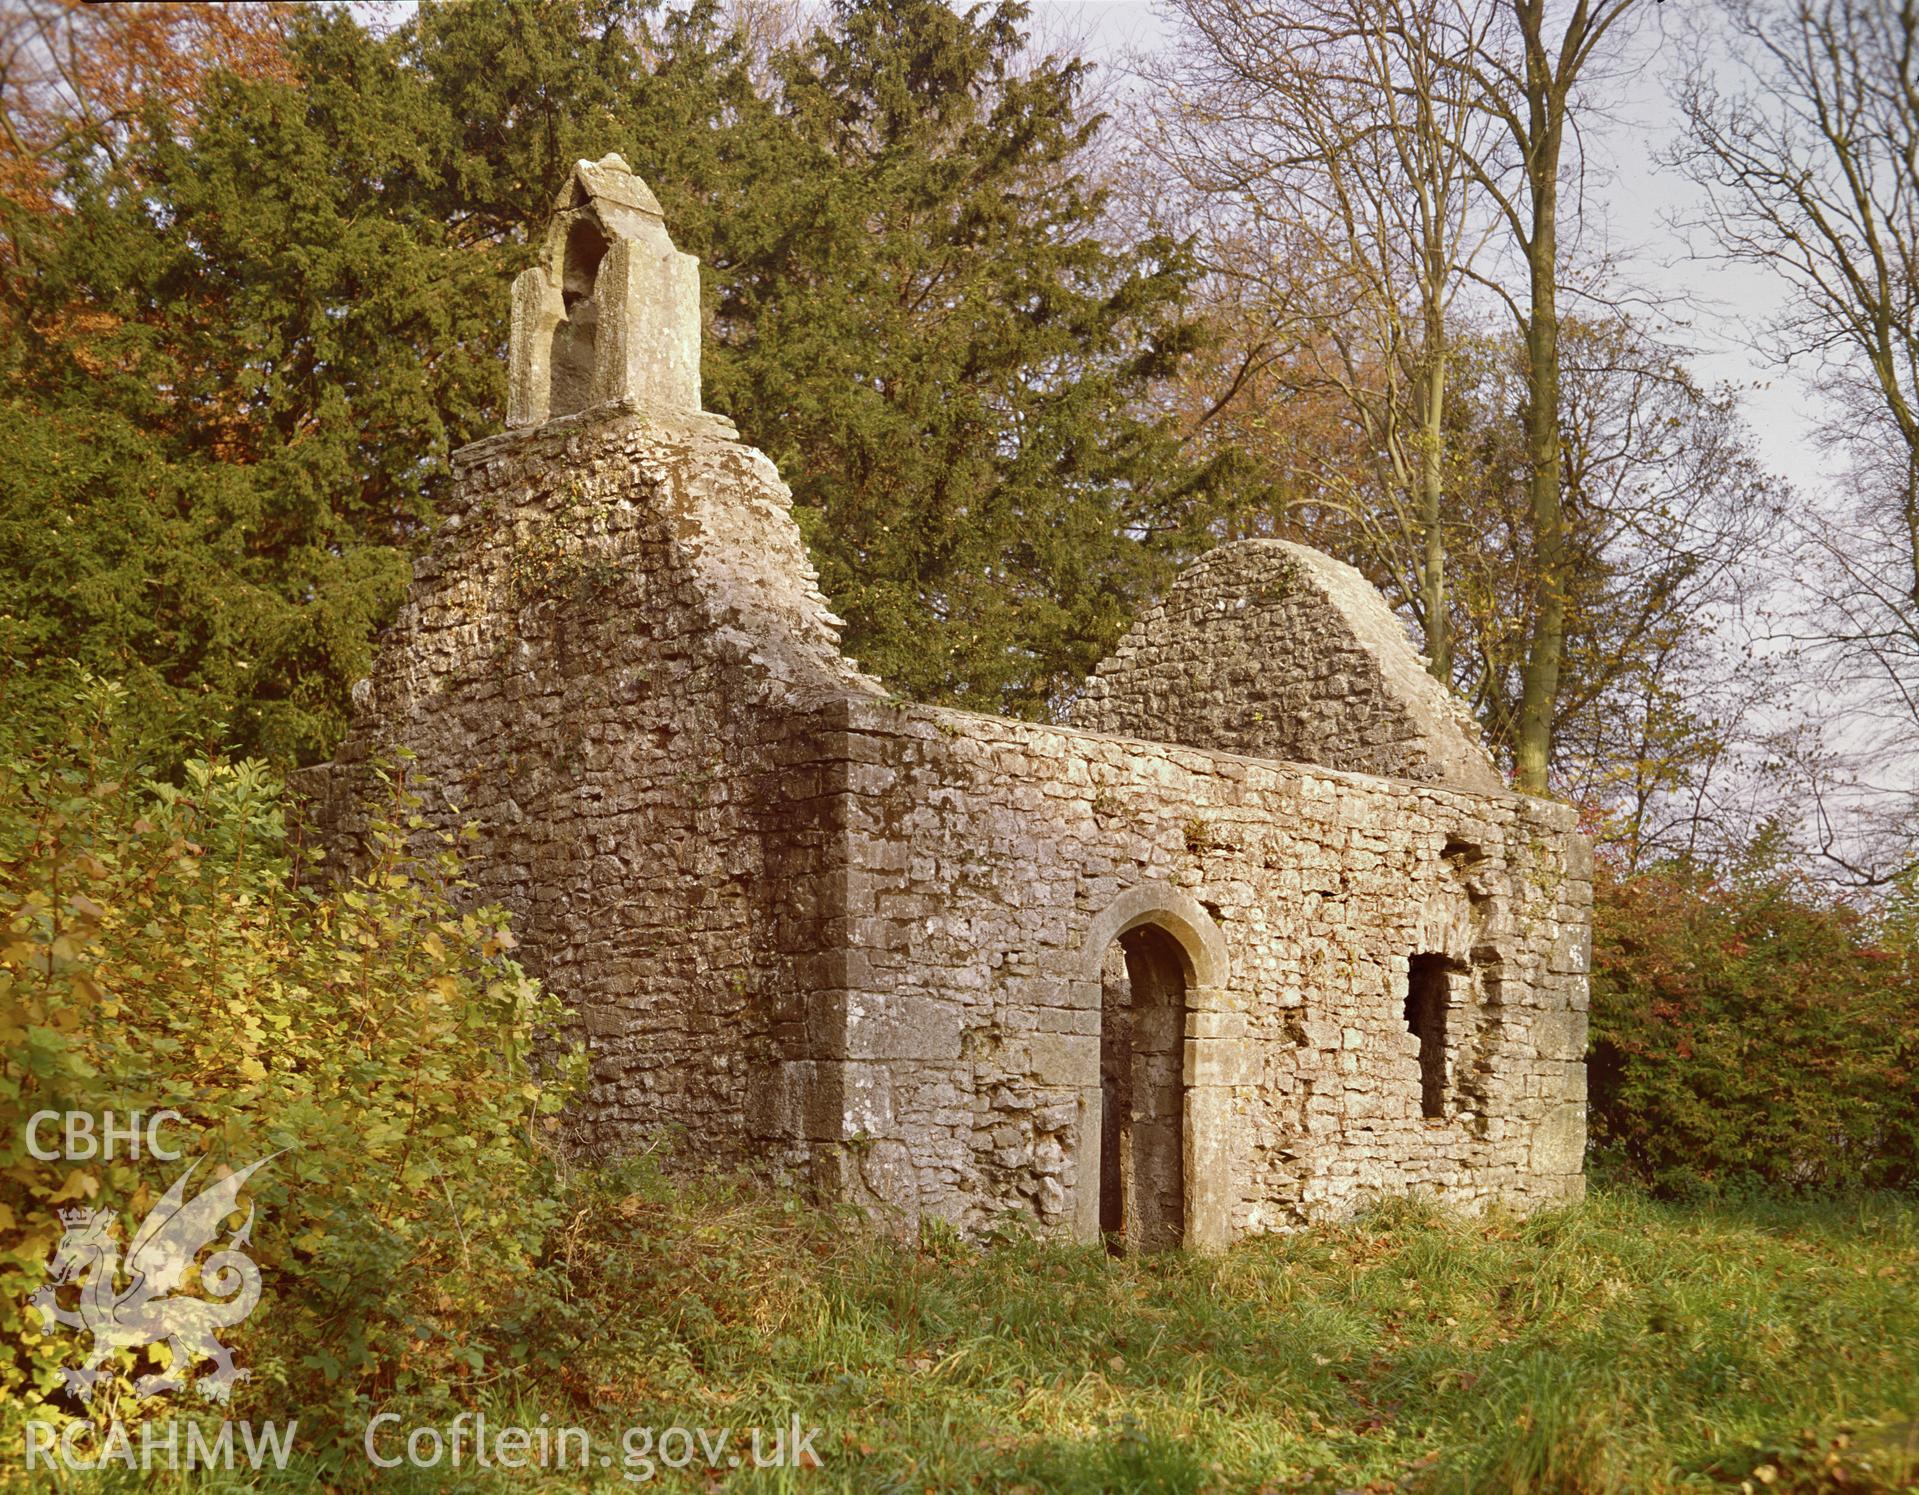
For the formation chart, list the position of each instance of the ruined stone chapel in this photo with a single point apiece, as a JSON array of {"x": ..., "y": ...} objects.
[{"x": 1258, "y": 938}]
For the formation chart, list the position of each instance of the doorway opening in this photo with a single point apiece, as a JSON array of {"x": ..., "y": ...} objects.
[{"x": 1142, "y": 1043}]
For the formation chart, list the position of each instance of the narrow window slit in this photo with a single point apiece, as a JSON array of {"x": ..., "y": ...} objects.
[{"x": 1426, "y": 1019}]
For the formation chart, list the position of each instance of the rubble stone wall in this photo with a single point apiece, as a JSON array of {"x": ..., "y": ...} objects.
[
  {"x": 983, "y": 858},
  {"x": 604, "y": 664},
  {"x": 824, "y": 931}
]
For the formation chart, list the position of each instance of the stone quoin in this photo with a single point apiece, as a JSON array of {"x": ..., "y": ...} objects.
[{"x": 1259, "y": 938}]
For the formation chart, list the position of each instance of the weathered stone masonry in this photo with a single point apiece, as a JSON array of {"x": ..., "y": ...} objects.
[{"x": 1151, "y": 978}]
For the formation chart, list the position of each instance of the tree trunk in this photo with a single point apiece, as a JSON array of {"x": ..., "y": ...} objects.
[
  {"x": 1539, "y": 680},
  {"x": 1431, "y": 399}
]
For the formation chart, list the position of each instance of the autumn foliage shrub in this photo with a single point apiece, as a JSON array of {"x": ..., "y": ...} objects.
[
  {"x": 1750, "y": 1027},
  {"x": 157, "y": 951}
]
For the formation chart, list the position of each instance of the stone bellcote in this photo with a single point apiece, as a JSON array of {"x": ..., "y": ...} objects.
[{"x": 611, "y": 312}]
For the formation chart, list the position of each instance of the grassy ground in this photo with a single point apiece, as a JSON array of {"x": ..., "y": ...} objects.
[{"x": 1622, "y": 1345}]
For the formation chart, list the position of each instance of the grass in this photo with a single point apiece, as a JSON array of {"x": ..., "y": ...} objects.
[{"x": 1623, "y": 1345}]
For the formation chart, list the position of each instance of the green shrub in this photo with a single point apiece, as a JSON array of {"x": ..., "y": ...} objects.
[
  {"x": 160, "y": 952},
  {"x": 1752, "y": 1028}
]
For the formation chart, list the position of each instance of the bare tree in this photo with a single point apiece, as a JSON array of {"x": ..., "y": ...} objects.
[
  {"x": 1809, "y": 157},
  {"x": 1530, "y": 80},
  {"x": 1665, "y": 504},
  {"x": 1331, "y": 160},
  {"x": 1812, "y": 171},
  {"x": 1382, "y": 140}
]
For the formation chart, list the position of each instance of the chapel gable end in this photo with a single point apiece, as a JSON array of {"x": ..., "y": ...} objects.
[{"x": 1276, "y": 650}]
